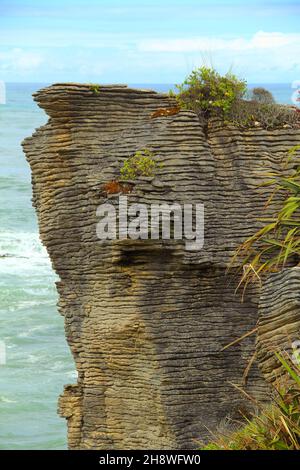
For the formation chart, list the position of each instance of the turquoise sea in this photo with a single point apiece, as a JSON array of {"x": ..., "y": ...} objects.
[{"x": 38, "y": 361}]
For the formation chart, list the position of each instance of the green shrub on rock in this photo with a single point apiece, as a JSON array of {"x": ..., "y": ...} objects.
[
  {"x": 95, "y": 88},
  {"x": 216, "y": 97},
  {"x": 210, "y": 94},
  {"x": 142, "y": 163}
]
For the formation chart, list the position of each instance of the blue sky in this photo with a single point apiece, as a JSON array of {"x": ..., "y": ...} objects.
[{"x": 157, "y": 41}]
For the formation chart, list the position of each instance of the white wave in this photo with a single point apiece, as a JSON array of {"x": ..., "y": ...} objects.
[
  {"x": 22, "y": 251},
  {"x": 27, "y": 304},
  {"x": 33, "y": 359},
  {"x": 7, "y": 400},
  {"x": 30, "y": 331},
  {"x": 73, "y": 374},
  {"x": 40, "y": 291}
]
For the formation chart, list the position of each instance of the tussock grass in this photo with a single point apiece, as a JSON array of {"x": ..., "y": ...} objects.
[{"x": 275, "y": 426}]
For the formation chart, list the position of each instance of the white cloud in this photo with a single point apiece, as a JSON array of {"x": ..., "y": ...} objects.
[
  {"x": 259, "y": 41},
  {"x": 264, "y": 57},
  {"x": 17, "y": 59}
]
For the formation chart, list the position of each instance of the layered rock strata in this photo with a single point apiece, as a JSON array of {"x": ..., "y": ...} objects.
[
  {"x": 147, "y": 320},
  {"x": 279, "y": 322}
]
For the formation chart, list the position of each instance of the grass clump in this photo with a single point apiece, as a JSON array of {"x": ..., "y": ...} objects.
[
  {"x": 142, "y": 163},
  {"x": 95, "y": 88},
  {"x": 277, "y": 243},
  {"x": 275, "y": 426}
]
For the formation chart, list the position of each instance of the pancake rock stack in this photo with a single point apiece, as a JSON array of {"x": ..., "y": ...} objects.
[{"x": 146, "y": 320}]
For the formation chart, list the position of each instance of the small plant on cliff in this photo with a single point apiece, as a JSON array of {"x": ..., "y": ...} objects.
[
  {"x": 142, "y": 163},
  {"x": 277, "y": 242},
  {"x": 208, "y": 93},
  {"x": 276, "y": 426},
  {"x": 95, "y": 88}
]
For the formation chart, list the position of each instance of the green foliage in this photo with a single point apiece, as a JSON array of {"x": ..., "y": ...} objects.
[
  {"x": 95, "y": 88},
  {"x": 266, "y": 115},
  {"x": 277, "y": 242},
  {"x": 212, "y": 95},
  {"x": 261, "y": 95},
  {"x": 275, "y": 426},
  {"x": 208, "y": 93},
  {"x": 142, "y": 163}
]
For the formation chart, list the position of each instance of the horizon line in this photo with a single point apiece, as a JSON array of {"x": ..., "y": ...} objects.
[{"x": 127, "y": 83}]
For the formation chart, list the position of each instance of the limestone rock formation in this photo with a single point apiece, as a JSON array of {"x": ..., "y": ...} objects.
[
  {"x": 146, "y": 320},
  {"x": 279, "y": 321}
]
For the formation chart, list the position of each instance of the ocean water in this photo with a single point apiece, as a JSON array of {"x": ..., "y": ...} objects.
[{"x": 38, "y": 361}]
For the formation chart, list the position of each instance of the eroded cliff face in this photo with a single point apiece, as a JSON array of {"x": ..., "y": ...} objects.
[
  {"x": 147, "y": 320},
  {"x": 279, "y": 321}
]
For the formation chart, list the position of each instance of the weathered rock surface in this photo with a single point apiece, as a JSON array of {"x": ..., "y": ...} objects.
[
  {"x": 147, "y": 320},
  {"x": 279, "y": 321}
]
